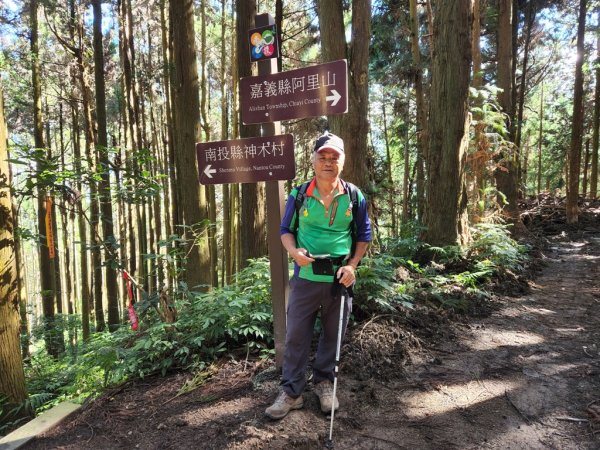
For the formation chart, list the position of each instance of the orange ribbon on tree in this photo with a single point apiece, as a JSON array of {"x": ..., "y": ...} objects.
[{"x": 49, "y": 229}]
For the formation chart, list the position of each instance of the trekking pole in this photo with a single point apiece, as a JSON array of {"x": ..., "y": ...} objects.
[{"x": 344, "y": 293}]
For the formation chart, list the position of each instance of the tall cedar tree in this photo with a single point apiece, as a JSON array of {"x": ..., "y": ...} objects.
[
  {"x": 12, "y": 381},
  {"x": 352, "y": 127},
  {"x": 421, "y": 112},
  {"x": 53, "y": 338},
  {"x": 81, "y": 222},
  {"x": 191, "y": 197},
  {"x": 446, "y": 213},
  {"x": 253, "y": 219},
  {"x": 596, "y": 120},
  {"x": 227, "y": 213},
  {"x": 110, "y": 250},
  {"x": 210, "y": 189},
  {"x": 506, "y": 173},
  {"x": 479, "y": 157},
  {"x": 577, "y": 124}
]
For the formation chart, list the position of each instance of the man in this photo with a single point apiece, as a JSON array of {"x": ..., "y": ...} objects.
[{"x": 337, "y": 233}]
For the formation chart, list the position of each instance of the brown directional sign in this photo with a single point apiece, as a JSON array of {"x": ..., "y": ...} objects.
[
  {"x": 246, "y": 160},
  {"x": 307, "y": 92}
]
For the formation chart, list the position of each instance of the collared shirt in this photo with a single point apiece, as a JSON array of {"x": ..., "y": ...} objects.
[{"x": 325, "y": 231}]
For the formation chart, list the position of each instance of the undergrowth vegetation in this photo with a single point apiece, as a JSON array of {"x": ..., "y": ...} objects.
[{"x": 237, "y": 320}]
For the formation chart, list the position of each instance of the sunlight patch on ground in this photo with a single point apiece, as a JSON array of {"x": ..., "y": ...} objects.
[
  {"x": 495, "y": 338},
  {"x": 590, "y": 257},
  {"x": 540, "y": 311},
  {"x": 570, "y": 330},
  {"x": 213, "y": 412},
  {"x": 448, "y": 398},
  {"x": 554, "y": 369}
]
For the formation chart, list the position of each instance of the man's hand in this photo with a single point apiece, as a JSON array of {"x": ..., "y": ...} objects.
[
  {"x": 300, "y": 257},
  {"x": 346, "y": 275}
]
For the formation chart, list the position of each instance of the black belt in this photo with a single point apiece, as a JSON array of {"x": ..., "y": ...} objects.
[{"x": 338, "y": 261}]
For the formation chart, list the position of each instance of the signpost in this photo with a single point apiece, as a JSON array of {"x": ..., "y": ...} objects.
[
  {"x": 246, "y": 160},
  {"x": 311, "y": 91},
  {"x": 278, "y": 258}
]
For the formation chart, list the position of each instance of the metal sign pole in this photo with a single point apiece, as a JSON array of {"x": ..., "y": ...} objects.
[{"x": 275, "y": 208}]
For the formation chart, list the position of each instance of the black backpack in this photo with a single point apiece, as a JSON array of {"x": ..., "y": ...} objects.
[{"x": 352, "y": 193}]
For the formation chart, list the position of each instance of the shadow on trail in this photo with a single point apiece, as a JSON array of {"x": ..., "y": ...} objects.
[{"x": 523, "y": 378}]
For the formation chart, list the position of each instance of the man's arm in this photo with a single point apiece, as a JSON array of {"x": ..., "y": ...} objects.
[
  {"x": 298, "y": 254},
  {"x": 346, "y": 273},
  {"x": 359, "y": 252}
]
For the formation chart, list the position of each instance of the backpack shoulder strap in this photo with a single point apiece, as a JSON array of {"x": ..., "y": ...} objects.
[
  {"x": 300, "y": 196},
  {"x": 353, "y": 194},
  {"x": 352, "y": 191}
]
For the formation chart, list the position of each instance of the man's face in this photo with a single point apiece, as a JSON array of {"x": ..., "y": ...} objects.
[{"x": 328, "y": 164}]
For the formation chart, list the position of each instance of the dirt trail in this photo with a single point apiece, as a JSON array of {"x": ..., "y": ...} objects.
[{"x": 526, "y": 377}]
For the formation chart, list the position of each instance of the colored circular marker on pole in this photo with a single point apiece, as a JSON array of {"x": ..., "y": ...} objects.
[
  {"x": 268, "y": 50},
  {"x": 268, "y": 37},
  {"x": 263, "y": 43},
  {"x": 256, "y": 39},
  {"x": 257, "y": 52}
]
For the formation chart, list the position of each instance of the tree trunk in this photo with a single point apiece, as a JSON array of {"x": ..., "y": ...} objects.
[
  {"x": 540, "y": 136},
  {"x": 253, "y": 219},
  {"x": 596, "y": 120},
  {"x": 69, "y": 279},
  {"x": 586, "y": 163},
  {"x": 156, "y": 219},
  {"x": 577, "y": 124},
  {"x": 22, "y": 283},
  {"x": 480, "y": 156},
  {"x": 54, "y": 224},
  {"x": 210, "y": 189},
  {"x": 506, "y": 173},
  {"x": 530, "y": 13},
  {"x": 446, "y": 216},
  {"x": 227, "y": 253},
  {"x": 170, "y": 197},
  {"x": 236, "y": 246},
  {"x": 186, "y": 111},
  {"x": 81, "y": 222},
  {"x": 133, "y": 145},
  {"x": 90, "y": 142},
  {"x": 52, "y": 336},
  {"x": 525, "y": 165},
  {"x": 105, "y": 198},
  {"x": 390, "y": 179},
  {"x": 422, "y": 157},
  {"x": 12, "y": 381},
  {"x": 513, "y": 75},
  {"x": 353, "y": 126},
  {"x": 406, "y": 178}
]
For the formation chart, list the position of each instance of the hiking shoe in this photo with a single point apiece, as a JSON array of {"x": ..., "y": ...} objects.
[
  {"x": 283, "y": 404},
  {"x": 324, "y": 391}
]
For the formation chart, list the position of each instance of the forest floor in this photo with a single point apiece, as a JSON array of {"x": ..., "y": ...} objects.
[{"x": 526, "y": 375}]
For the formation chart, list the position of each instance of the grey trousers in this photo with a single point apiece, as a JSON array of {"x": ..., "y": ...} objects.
[{"x": 305, "y": 301}]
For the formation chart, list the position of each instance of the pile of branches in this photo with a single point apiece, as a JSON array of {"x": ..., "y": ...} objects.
[{"x": 546, "y": 213}]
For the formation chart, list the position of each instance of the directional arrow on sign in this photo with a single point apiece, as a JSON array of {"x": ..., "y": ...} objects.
[
  {"x": 208, "y": 171},
  {"x": 335, "y": 98},
  {"x": 273, "y": 160},
  {"x": 319, "y": 90}
]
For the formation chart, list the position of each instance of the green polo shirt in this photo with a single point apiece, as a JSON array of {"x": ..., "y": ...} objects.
[{"x": 324, "y": 231}]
